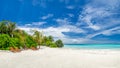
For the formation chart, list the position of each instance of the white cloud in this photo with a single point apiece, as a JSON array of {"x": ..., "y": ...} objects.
[
  {"x": 47, "y": 16},
  {"x": 28, "y": 24},
  {"x": 88, "y": 20},
  {"x": 98, "y": 14},
  {"x": 95, "y": 27},
  {"x": 112, "y": 31},
  {"x": 90, "y": 14},
  {"x": 39, "y": 23},
  {"x": 64, "y": 21},
  {"x": 108, "y": 32},
  {"x": 56, "y": 32},
  {"x": 75, "y": 40},
  {"x": 35, "y": 24},
  {"x": 85, "y": 41},
  {"x": 111, "y": 4},
  {"x": 74, "y": 29}
]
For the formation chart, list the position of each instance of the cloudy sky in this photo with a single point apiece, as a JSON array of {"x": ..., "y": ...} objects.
[{"x": 73, "y": 21}]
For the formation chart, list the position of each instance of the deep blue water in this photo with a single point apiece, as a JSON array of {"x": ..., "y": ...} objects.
[{"x": 93, "y": 46}]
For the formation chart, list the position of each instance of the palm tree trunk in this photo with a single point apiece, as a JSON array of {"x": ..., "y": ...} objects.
[
  {"x": 39, "y": 46},
  {"x": 25, "y": 47}
]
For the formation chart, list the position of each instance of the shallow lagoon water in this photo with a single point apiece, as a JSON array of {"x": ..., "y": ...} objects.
[{"x": 92, "y": 46}]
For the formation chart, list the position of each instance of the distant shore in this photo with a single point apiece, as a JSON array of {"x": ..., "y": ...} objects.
[{"x": 60, "y": 58}]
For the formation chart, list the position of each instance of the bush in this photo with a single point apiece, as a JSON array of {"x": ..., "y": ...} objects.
[
  {"x": 4, "y": 41},
  {"x": 30, "y": 42},
  {"x": 59, "y": 43},
  {"x": 53, "y": 45},
  {"x": 48, "y": 43},
  {"x": 14, "y": 42}
]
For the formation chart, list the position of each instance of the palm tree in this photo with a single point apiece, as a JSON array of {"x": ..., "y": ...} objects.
[
  {"x": 3, "y": 27},
  {"x": 50, "y": 38},
  {"x": 38, "y": 37},
  {"x": 7, "y": 27},
  {"x": 45, "y": 39},
  {"x": 11, "y": 27},
  {"x": 22, "y": 36}
]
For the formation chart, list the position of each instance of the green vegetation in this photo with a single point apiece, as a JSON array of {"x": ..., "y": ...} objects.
[
  {"x": 59, "y": 43},
  {"x": 13, "y": 38}
]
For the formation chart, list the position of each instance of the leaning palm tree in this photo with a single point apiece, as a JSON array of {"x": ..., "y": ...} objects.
[
  {"x": 11, "y": 27},
  {"x": 7, "y": 27},
  {"x": 38, "y": 37}
]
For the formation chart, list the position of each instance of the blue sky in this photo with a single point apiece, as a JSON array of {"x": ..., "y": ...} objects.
[{"x": 73, "y": 21}]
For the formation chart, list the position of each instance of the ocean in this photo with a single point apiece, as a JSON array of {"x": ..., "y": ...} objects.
[{"x": 92, "y": 46}]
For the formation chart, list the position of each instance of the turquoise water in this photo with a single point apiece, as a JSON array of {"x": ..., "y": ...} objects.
[{"x": 93, "y": 46}]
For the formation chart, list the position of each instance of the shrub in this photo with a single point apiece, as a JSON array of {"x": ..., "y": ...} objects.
[
  {"x": 4, "y": 41},
  {"x": 53, "y": 45},
  {"x": 48, "y": 43},
  {"x": 30, "y": 42},
  {"x": 14, "y": 42},
  {"x": 59, "y": 43}
]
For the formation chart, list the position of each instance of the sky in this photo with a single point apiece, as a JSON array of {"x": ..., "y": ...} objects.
[{"x": 72, "y": 21}]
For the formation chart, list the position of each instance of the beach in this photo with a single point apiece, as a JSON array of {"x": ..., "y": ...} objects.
[{"x": 61, "y": 58}]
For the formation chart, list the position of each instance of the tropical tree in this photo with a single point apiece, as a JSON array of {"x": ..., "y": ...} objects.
[
  {"x": 11, "y": 27},
  {"x": 30, "y": 42},
  {"x": 3, "y": 27},
  {"x": 38, "y": 37},
  {"x": 44, "y": 40},
  {"x": 59, "y": 43},
  {"x": 7, "y": 27},
  {"x": 50, "y": 38},
  {"x": 21, "y": 35}
]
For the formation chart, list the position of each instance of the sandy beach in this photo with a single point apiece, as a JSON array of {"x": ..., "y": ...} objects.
[{"x": 61, "y": 58}]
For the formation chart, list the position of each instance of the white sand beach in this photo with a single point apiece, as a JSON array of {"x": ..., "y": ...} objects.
[{"x": 61, "y": 58}]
